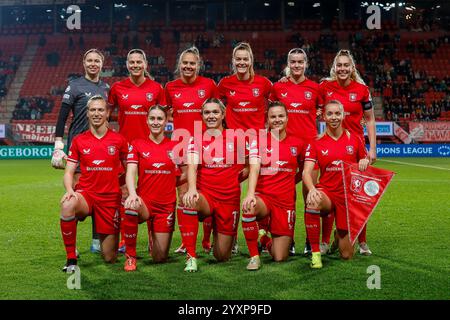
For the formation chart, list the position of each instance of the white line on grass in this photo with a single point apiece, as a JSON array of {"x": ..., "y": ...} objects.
[{"x": 415, "y": 164}]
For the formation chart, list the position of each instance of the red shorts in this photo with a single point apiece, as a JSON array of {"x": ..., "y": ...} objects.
[
  {"x": 282, "y": 219},
  {"x": 104, "y": 210},
  {"x": 162, "y": 218},
  {"x": 225, "y": 215},
  {"x": 338, "y": 206}
]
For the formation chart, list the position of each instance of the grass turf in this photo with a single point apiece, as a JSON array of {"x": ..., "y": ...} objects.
[{"x": 409, "y": 235}]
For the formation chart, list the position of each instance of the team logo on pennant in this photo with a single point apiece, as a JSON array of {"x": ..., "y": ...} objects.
[
  {"x": 371, "y": 188},
  {"x": 255, "y": 92},
  {"x": 308, "y": 95},
  {"x": 201, "y": 93},
  {"x": 352, "y": 97},
  {"x": 149, "y": 96},
  {"x": 111, "y": 150},
  {"x": 356, "y": 184},
  {"x": 294, "y": 151},
  {"x": 349, "y": 149}
]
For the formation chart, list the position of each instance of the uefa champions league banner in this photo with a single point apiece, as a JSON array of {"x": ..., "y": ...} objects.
[
  {"x": 412, "y": 150},
  {"x": 362, "y": 190}
]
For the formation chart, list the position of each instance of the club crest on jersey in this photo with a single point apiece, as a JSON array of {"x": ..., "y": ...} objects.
[
  {"x": 356, "y": 184},
  {"x": 294, "y": 151},
  {"x": 170, "y": 154},
  {"x": 201, "y": 93},
  {"x": 255, "y": 92},
  {"x": 308, "y": 95},
  {"x": 349, "y": 149},
  {"x": 111, "y": 150},
  {"x": 352, "y": 97},
  {"x": 149, "y": 96}
]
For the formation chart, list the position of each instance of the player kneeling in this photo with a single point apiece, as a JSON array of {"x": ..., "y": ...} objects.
[{"x": 99, "y": 151}]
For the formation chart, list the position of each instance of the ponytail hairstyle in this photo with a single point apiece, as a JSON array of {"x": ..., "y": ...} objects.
[
  {"x": 246, "y": 47},
  {"x": 354, "y": 75},
  {"x": 193, "y": 50},
  {"x": 287, "y": 70},
  {"x": 144, "y": 57}
]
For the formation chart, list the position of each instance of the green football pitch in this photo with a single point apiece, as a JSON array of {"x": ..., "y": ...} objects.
[{"x": 409, "y": 234}]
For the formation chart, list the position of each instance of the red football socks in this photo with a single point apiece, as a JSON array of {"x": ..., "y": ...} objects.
[
  {"x": 130, "y": 231},
  {"x": 362, "y": 235},
  {"x": 312, "y": 224},
  {"x": 327, "y": 227},
  {"x": 207, "y": 228},
  {"x": 69, "y": 235},
  {"x": 189, "y": 230},
  {"x": 250, "y": 229}
]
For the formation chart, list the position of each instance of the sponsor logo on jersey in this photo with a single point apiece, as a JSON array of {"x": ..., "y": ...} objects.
[
  {"x": 149, "y": 96},
  {"x": 336, "y": 162},
  {"x": 324, "y": 152},
  {"x": 130, "y": 156},
  {"x": 177, "y": 95},
  {"x": 136, "y": 106},
  {"x": 111, "y": 150},
  {"x": 255, "y": 92},
  {"x": 356, "y": 184},
  {"x": 125, "y": 97},
  {"x": 352, "y": 97},
  {"x": 296, "y": 105},
  {"x": 86, "y": 151},
  {"x": 98, "y": 162},
  {"x": 329, "y": 93},
  {"x": 284, "y": 95},
  {"x": 244, "y": 103},
  {"x": 349, "y": 149},
  {"x": 88, "y": 94},
  {"x": 201, "y": 93},
  {"x": 281, "y": 163},
  {"x": 217, "y": 160},
  {"x": 158, "y": 165},
  {"x": 146, "y": 154},
  {"x": 232, "y": 93},
  {"x": 308, "y": 95},
  {"x": 294, "y": 151},
  {"x": 188, "y": 104}
]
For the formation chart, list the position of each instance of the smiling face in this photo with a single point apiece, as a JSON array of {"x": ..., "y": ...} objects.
[
  {"x": 93, "y": 64},
  {"x": 97, "y": 113},
  {"x": 136, "y": 65},
  {"x": 277, "y": 118},
  {"x": 333, "y": 115},
  {"x": 242, "y": 62},
  {"x": 343, "y": 68},
  {"x": 157, "y": 121},
  {"x": 188, "y": 66},
  {"x": 213, "y": 115},
  {"x": 297, "y": 64}
]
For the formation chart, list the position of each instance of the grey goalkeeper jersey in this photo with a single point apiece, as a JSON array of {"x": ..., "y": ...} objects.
[{"x": 76, "y": 95}]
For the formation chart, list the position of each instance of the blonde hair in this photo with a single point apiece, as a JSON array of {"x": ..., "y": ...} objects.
[
  {"x": 287, "y": 70},
  {"x": 142, "y": 53},
  {"x": 246, "y": 47},
  {"x": 354, "y": 75},
  {"x": 193, "y": 50}
]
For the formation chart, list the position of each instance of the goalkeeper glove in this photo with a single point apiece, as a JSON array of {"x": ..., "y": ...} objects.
[{"x": 59, "y": 156}]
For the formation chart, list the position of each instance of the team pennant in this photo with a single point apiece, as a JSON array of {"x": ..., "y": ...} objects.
[{"x": 363, "y": 190}]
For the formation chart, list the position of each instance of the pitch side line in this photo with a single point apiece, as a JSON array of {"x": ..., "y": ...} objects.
[{"x": 415, "y": 164}]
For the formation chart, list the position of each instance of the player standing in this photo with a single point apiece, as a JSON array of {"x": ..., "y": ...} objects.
[
  {"x": 74, "y": 101},
  {"x": 301, "y": 97},
  {"x": 133, "y": 97},
  {"x": 271, "y": 187},
  {"x": 185, "y": 97},
  {"x": 214, "y": 168},
  {"x": 155, "y": 198},
  {"x": 99, "y": 152},
  {"x": 346, "y": 85},
  {"x": 328, "y": 151}
]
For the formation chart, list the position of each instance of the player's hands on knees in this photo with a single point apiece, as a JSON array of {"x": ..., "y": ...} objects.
[
  {"x": 363, "y": 164},
  {"x": 372, "y": 156},
  {"x": 249, "y": 203},
  {"x": 133, "y": 202},
  {"x": 190, "y": 198},
  {"x": 58, "y": 159},
  {"x": 69, "y": 195},
  {"x": 313, "y": 198}
]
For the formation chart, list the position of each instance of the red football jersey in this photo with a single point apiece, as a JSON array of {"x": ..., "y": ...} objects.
[
  {"x": 100, "y": 160},
  {"x": 355, "y": 98},
  {"x": 280, "y": 161},
  {"x": 301, "y": 101},
  {"x": 186, "y": 101},
  {"x": 157, "y": 169},
  {"x": 328, "y": 153},
  {"x": 246, "y": 102},
  {"x": 221, "y": 160},
  {"x": 133, "y": 103}
]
